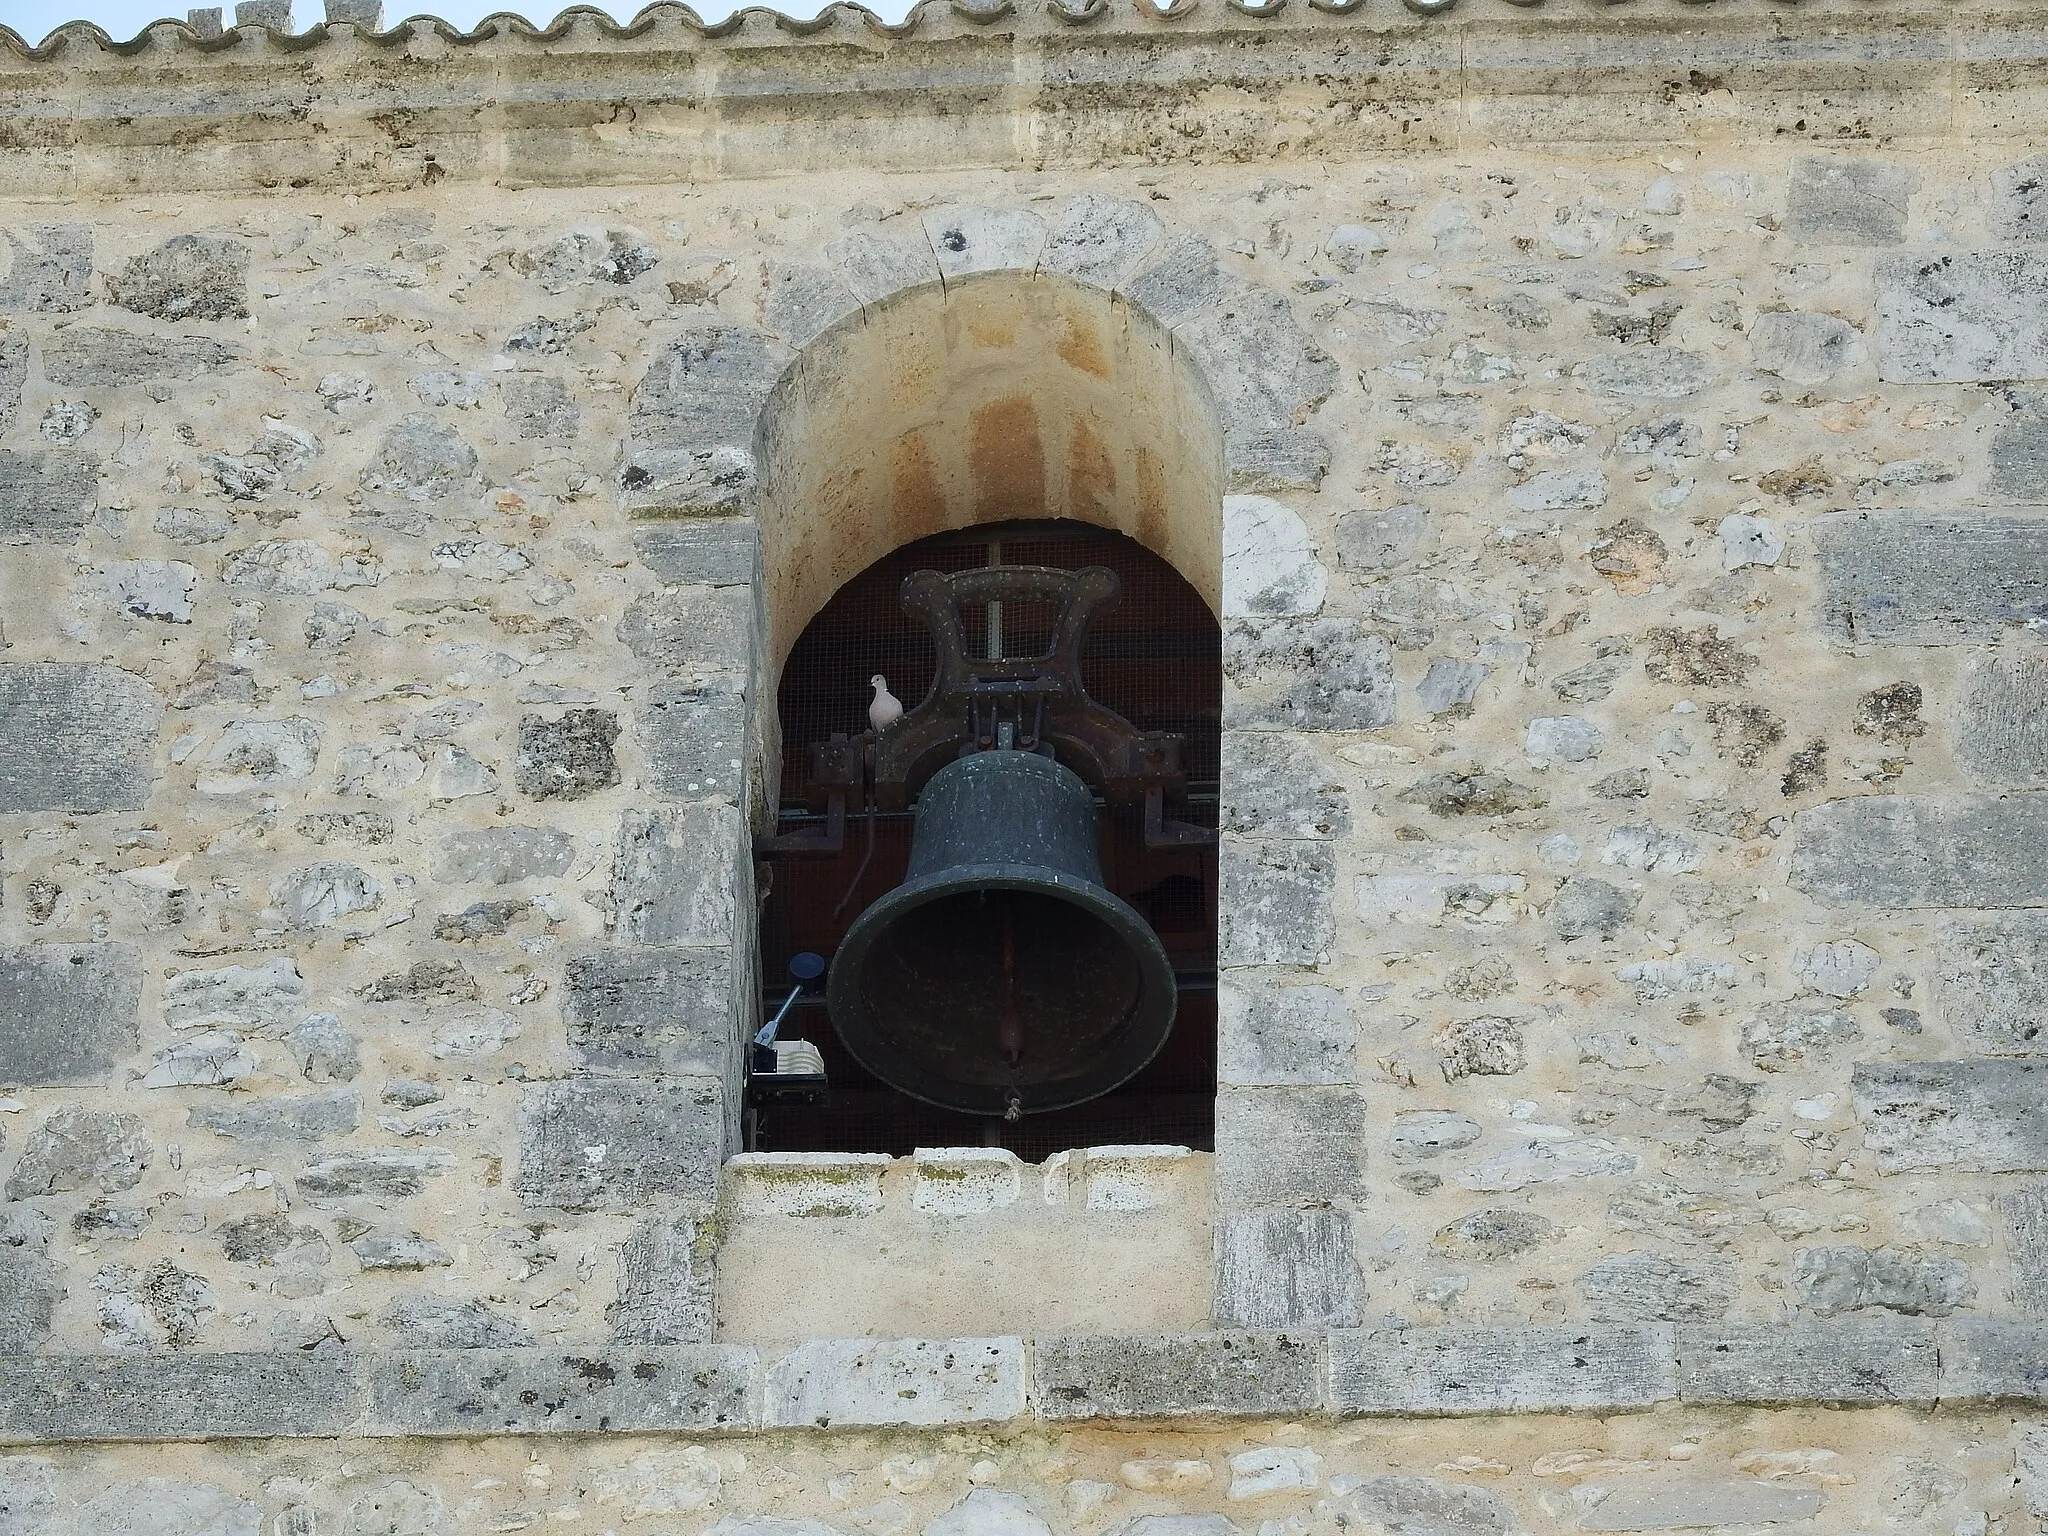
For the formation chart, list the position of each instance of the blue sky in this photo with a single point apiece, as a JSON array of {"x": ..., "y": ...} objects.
[{"x": 124, "y": 18}]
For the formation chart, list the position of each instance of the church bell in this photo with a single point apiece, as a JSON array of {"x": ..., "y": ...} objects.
[{"x": 1001, "y": 978}]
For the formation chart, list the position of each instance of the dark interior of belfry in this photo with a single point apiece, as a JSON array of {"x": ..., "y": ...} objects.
[{"x": 1154, "y": 658}]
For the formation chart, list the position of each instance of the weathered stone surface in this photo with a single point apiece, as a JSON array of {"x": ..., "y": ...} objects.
[
  {"x": 1803, "y": 348},
  {"x": 695, "y": 740},
  {"x": 1284, "y": 1267},
  {"x": 1546, "y": 1162},
  {"x": 2018, "y": 207},
  {"x": 1691, "y": 1503},
  {"x": 1782, "y": 1036},
  {"x": 1423, "y": 1506},
  {"x": 1646, "y": 373},
  {"x": 970, "y": 240},
  {"x": 13, "y": 375},
  {"x": 539, "y": 406},
  {"x": 803, "y": 302},
  {"x": 1842, "y": 1278},
  {"x": 1100, "y": 240},
  {"x": 1980, "y": 1116},
  {"x": 1269, "y": 560},
  {"x": 1653, "y": 1287},
  {"x": 435, "y": 1322},
  {"x": 179, "y": 1396},
  {"x": 693, "y": 420},
  {"x": 1904, "y": 578},
  {"x": 1993, "y": 1360},
  {"x": 96, "y": 357},
  {"x": 567, "y": 757},
  {"x": 1992, "y": 983},
  {"x": 1273, "y": 1035},
  {"x": 1278, "y": 787},
  {"x": 49, "y": 268},
  {"x": 1261, "y": 366},
  {"x": 1501, "y": 1232},
  {"x": 1833, "y": 200},
  {"x": 701, "y": 551},
  {"x": 78, "y": 1148},
  {"x": 1613, "y": 1368},
  {"x": 616, "y": 1144},
  {"x": 2026, "y": 1234},
  {"x": 188, "y": 277},
  {"x": 28, "y": 1496},
  {"x": 30, "y": 1288},
  {"x": 686, "y": 632},
  {"x": 651, "y": 1010},
  {"x": 68, "y": 1012},
  {"x": 1909, "y": 851},
  {"x": 502, "y": 855},
  {"x": 2019, "y": 448},
  {"x": 1275, "y": 906},
  {"x": 159, "y": 1507},
  {"x": 1588, "y": 908},
  {"x": 850, "y": 1383},
  {"x": 323, "y": 892},
  {"x": 1180, "y": 281},
  {"x": 387, "y": 1175},
  {"x": 2001, "y": 722},
  {"x": 290, "y": 1120},
  {"x": 665, "y": 1275},
  {"x": 421, "y": 460},
  {"x": 1222, "y": 1375},
  {"x": 1314, "y": 674},
  {"x": 1961, "y": 317},
  {"x": 1275, "y": 1144},
  {"x": 673, "y": 878},
  {"x": 599, "y": 1390},
  {"x": 1850, "y": 1363},
  {"x": 47, "y": 494}
]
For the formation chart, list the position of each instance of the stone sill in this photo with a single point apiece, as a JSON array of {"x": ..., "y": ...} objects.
[{"x": 867, "y": 1383}]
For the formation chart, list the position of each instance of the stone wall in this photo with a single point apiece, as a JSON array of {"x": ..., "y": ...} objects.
[{"x": 1632, "y": 575}]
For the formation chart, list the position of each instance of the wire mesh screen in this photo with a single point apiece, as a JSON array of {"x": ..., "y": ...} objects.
[{"x": 1155, "y": 658}]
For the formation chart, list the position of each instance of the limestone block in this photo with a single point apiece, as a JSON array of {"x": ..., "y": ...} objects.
[
  {"x": 1840, "y": 1277},
  {"x": 30, "y": 1288},
  {"x": 1316, "y": 674},
  {"x": 1655, "y": 1287},
  {"x": 49, "y": 269},
  {"x": 1546, "y": 1162},
  {"x": 421, "y": 460},
  {"x": 1847, "y": 1363},
  {"x": 803, "y": 302},
  {"x": 179, "y": 1396},
  {"x": 1690, "y": 1503},
  {"x": 28, "y": 1496},
  {"x": 81, "y": 1149},
  {"x": 2026, "y": 1236},
  {"x": 2018, "y": 207},
  {"x": 259, "y": 997},
  {"x": 47, "y": 494},
  {"x": 970, "y": 240},
  {"x": 675, "y": 875},
  {"x": 1548, "y": 1368},
  {"x": 856, "y": 1383},
  {"x": 1961, "y": 317},
  {"x": 2001, "y": 722},
  {"x": 1273, "y": 1035},
  {"x": 806, "y": 1183},
  {"x": 13, "y": 375},
  {"x": 1993, "y": 1360},
  {"x": 1425, "y": 1506},
  {"x": 1261, "y": 366},
  {"x": 365, "y": 15},
  {"x": 1803, "y": 348},
  {"x": 1904, "y": 578},
  {"x": 983, "y": 1512},
  {"x": 1283, "y": 1144},
  {"x": 1275, "y": 786},
  {"x": 701, "y": 551},
  {"x": 385, "y": 1175},
  {"x": 1449, "y": 684},
  {"x": 1835, "y": 200},
  {"x": 1379, "y": 541},
  {"x": 1588, "y": 908},
  {"x": 567, "y": 757},
  {"x": 436, "y": 1322},
  {"x": 1100, "y": 240},
  {"x": 1422, "y": 1134},
  {"x": 1269, "y": 560},
  {"x": 537, "y": 406},
  {"x": 606, "y": 1389},
  {"x": 615, "y": 1144},
  {"x": 1991, "y": 980},
  {"x": 1275, "y": 906},
  {"x": 502, "y": 855},
  {"x": 964, "y": 1181},
  {"x": 1283, "y": 1267},
  {"x": 1180, "y": 282},
  {"x": 691, "y": 631},
  {"x": 1212, "y": 1375},
  {"x": 1910, "y": 851},
  {"x": 98, "y": 357},
  {"x": 665, "y": 1274},
  {"x": 695, "y": 739},
  {"x": 68, "y": 1012},
  {"x": 876, "y": 268},
  {"x": 1131, "y": 1178},
  {"x": 1645, "y": 373},
  {"x": 1976, "y": 1116},
  {"x": 157, "y": 1506},
  {"x": 322, "y": 892},
  {"x": 188, "y": 277},
  {"x": 667, "y": 1011},
  {"x": 274, "y": 14},
  {"x": 288, "y": 1120}
]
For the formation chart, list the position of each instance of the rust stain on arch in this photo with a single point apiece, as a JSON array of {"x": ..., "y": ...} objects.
[
  {"x": 1091, "y": 475},
  {"x": 1008, "y": 461},
  {"x": 917, "y": 504}
]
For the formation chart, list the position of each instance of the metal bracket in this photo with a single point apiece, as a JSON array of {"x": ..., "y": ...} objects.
[
  {"x": 1162, "y": 833},
  {"x": 830, "y": 838}
]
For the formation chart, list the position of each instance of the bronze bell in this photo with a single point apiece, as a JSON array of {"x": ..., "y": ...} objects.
[{"x": 1001, "y": 978}]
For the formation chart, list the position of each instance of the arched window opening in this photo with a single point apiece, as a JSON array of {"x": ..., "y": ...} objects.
[{"x": 1155, "y": 658}]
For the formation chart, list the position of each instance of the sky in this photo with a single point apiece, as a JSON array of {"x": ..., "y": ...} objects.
[{"x": 33, "y": 19}]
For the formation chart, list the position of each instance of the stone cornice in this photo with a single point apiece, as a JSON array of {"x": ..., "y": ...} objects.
[
  {"x": 709, "y": 1389},
  {"x": 1023, "y": 84}
]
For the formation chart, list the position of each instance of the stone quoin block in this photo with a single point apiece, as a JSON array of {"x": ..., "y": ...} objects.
[
  {"x": 1271, "y": 1034},
  {"x": 871, "y": 1383},
  {"x": 616, "y": 1143},
  {"x": 1544, "y": 1368},
  {"x": 1846, "y": 1363},
  {"x": 13, "y": 375},
  {"x": 1208, "y": 1375},
  {"x": 701, "y": 551},
  {"x": 691, "y": 633},
  {"x": 1914, "y": 851},
  {"x": 1100, "y": 240},
  {"x": 1991, "y": 982},
  {"x": 675, "y": 878},
  {"x": 30, "y": 1288},
  {"x": 665, "y": 1275},
  {"x": 1284, "y": 1267},
  {"x": 1962, "y": 317},
  {"x": 1915, "y": 578},
  {"x": 180, "y": 1396},
  {"x": 2019, "y": 448},
  {"x": 76, "y": 738},
  {"x": 695, "y": 739},
  {"x": 693, "y": 416},
  {"x": 2026, "y": 1236},
  {"x": 1975, "y": 1116},
  {"x": 604, "y": 1389},
  {"x": 2001, "y": 722},
  {"x": 1276, "y": 787},
  {"x": 1276, "y": 903},
  {"x": 1289, "y": 1144},
  {"x": 1836, "y": 200},
  {"x": 47, "y": 494},
  {"x": 1993, "y": 1360},
  {"x": 68, "y": 1012},
  {"x": 664, "y": 1011},
  {"x": 1322, "y": 673}
]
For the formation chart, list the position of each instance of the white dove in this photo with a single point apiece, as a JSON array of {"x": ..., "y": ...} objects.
[{"x": 887, "y": 708}]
